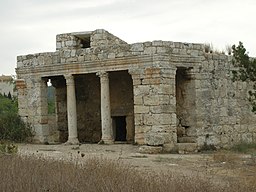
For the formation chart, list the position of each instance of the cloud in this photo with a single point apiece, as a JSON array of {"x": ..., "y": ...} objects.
[{"x": 30, "y": 26}]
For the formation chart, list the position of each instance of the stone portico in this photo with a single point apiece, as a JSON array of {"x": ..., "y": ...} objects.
[{"x": 163, "y": 95}]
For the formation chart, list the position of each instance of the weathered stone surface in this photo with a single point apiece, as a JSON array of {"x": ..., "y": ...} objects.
[
  {"x": 150, "y": 149},
  {"x": 154, "y": 139},
  {"x": 169, "y": 148},
  {"x": 187, "y": 148}
]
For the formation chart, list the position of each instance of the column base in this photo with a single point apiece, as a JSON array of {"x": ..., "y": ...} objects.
[
  {"x": 72, "y": 141},
  {"x": 107, "y": 142}
]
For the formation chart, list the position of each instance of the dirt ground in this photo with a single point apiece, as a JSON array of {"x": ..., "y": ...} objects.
[{"x": 222, "y": 166}]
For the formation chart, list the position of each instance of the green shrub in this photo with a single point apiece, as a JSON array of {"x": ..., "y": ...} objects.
[
  {"x": 244, "y": 147},
  {"x": 11, "y": 126},
  {"x": 8, "y": 147}
]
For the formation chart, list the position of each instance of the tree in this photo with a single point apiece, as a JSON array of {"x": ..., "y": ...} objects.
[
  {"x": 9, "y": 95},
  {"x": 246, "y": 70},
  {"x": 12, "y": 128}
]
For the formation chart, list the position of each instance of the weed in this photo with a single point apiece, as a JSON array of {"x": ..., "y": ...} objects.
[
  {"x": 11, "y": 126},
  {"x": 165, "y": 160},
  {"x": 244, "y": 148},
  {"x": 8, "y": 147},
  {"x": 208, "y": 147},
  {"x": 139, "y": 156},
  {"x": 96, "y": 174}
]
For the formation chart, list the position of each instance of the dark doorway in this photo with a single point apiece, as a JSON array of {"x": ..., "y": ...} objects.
[{"x": 120, "y": 128}]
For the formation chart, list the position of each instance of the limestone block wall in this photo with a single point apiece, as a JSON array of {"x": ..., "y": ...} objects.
[
  {"x": 33, "y": 107},
  {"x": 167, "y": 48},
  {"x": 224, "y": 114},
  {"x": 154, "y": 106},
  {"x": 218, "y": 112},
  {"x": 104, "y": 45},
  {"x": 101, "y": 45}
]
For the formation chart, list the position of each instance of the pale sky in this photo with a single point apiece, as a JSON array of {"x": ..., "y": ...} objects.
[{"x": 31, "y": 26}]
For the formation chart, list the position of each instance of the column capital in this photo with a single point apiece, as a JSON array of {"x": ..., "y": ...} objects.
[
  {"x": 39, "y": 80},
  {"x": 69, "y": 79},
  {"x": 69, "y": 76},
  {"x": 102, "y": 74}
]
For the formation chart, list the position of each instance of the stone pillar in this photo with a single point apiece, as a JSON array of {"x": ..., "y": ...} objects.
[
  {"x": 71, "y": 110},
  {"x": 39, "y": 108},
  {"x": 155, "y": 107},
  {"x": 106, "y": 121}
]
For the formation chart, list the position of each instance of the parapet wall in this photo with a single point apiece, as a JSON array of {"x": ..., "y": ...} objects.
[{"x": 102, "y": 45}]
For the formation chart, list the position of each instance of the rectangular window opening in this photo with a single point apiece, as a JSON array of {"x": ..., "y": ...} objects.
[{"x": 85, "y": 40}]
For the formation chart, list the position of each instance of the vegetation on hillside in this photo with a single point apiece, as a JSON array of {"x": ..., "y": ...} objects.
[
  {"x": 246, "y": 70},
  {"x": 12, "y": 128}
]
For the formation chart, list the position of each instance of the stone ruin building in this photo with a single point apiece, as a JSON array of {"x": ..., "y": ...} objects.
[{"x": 163, "y": 95}]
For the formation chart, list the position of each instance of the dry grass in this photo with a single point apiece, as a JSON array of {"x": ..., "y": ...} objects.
[{"x": 38, "y": 174}]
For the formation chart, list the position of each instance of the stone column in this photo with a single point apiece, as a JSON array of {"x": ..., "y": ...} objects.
[
  {"x": 106, "y": 121},
  {"x": 71, "y": 109}
]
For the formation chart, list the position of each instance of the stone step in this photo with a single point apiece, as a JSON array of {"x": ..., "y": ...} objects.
[
  {"x": 186, "y": 139},
  {"x": 184, "y": 148}
]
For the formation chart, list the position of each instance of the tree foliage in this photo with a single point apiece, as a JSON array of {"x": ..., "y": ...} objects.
[
  {"x": 246, "y": 70},
  {"x": 11, "y": 126}
]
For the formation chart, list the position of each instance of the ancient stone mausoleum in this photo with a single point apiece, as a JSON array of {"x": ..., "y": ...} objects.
[{"x": 163, "y": 95}]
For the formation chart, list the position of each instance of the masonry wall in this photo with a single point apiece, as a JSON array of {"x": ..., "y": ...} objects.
[
  {"x": 224, "y": 114},
  {"x": 154, "y": 107},
  {"x": 33, "y": 107}
]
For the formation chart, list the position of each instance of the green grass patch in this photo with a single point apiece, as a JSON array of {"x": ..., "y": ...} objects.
[
  {"x": 8, "y": 147},
  {"x": 249, "y": 148},
  {"x": 12, "y": 128}
]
